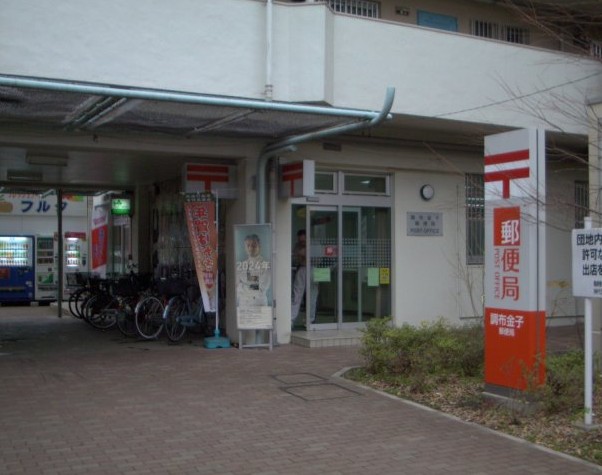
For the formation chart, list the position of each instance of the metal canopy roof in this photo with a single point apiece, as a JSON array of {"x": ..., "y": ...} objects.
[
  {"x": 58, "y": 114},
  {"x": 69, "y": 111}
]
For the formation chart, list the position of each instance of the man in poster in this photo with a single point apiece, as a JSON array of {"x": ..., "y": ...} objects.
[{"x": 253, "y": 275}]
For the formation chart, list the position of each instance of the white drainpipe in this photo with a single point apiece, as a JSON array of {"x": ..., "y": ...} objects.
[{"x": 268, "y": 40}]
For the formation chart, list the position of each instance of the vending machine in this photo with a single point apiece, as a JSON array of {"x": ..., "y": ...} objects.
[
  {"x": 16, "y": 268},
  {"x": 46, "y": 283},
  {"x": 75, "y": 258}
]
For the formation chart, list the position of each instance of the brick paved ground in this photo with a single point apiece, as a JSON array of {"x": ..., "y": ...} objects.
[{"x": 76, "y": 400}]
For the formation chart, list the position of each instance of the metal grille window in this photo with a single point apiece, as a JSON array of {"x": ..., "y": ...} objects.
[
  {"x": 365, "y": 8},
  {"x": 509, "y": 33},
  {"x": 484, "y": 29},
  {"x": 595, "y": 49},
  {"x": 516, "y": 34},
  {"x": 475, "y": 218},
  {"x": 581, "y": 203}
]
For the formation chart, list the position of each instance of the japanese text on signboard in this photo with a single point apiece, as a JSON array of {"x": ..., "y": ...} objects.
[
  {"x": 587, "y": 262},
  {"x": 506, "y": 251},
  {"x": 507, "y": 324}
]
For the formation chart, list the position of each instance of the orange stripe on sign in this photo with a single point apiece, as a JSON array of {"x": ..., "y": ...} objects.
[{"x": 507, "y": 157}]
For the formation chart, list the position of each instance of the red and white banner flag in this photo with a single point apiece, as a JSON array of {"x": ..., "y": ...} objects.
[{"x": 202, "y": 231}]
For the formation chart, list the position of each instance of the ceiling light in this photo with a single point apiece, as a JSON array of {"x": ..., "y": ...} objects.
[
  {"x": 23, "y": 175},
  {"x": 47, "y": 160}
]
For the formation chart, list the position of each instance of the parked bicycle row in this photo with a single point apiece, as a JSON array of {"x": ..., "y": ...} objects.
[{"x": 140, "y": 306}]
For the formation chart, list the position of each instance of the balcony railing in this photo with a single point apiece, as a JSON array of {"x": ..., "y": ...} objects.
[
  {"x": 509, "y": 33},
  {"x": 365, "y": 8}
]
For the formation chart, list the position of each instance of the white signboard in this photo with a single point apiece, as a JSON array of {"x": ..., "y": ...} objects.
[
  {"x": 515, "y": 230},
  {"x": 424, "y": 224},
  {"x": 587, "y": 262},
  {"x": 219, "y": 179},
  {"x": 29, "y": 204}
]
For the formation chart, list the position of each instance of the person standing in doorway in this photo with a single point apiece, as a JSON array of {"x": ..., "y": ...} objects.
[{"x": 300, "y": 279}]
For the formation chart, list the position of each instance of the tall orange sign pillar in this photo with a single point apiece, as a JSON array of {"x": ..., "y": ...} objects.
[{"x": 515, "y": 272}]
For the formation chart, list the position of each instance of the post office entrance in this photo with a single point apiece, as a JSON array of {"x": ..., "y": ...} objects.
[{"x": 341, "y": 276}]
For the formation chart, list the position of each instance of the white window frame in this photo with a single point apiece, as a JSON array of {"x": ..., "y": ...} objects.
[
  {"x": 335, "y": 183},
  {"x": 387, "y": 191}
]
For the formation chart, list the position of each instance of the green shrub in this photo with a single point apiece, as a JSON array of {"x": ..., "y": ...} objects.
[
  {"x": 435, "y": 348},
  {"x": 564, "y": 382},
  {"x": 431, "y": 352}
]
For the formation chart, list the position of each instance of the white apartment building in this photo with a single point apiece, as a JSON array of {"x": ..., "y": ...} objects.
[{"x": 124, "y": 94}]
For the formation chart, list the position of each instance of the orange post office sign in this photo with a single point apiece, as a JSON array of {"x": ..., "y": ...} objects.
[{"x": 515, "y": 273}]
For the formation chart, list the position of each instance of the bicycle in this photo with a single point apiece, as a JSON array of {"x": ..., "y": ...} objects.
[
  {"x": 185, "y": 311},
  {"x": 87, "y": 285},
  {"x": 129, "y": 290},
  {"x": 101, "y": 308},
  {"x": 112, "y": 303},
  {"x": 148, "y": 315}
]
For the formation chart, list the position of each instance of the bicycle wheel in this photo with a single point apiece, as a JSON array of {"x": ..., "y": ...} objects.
[
  {"x": 126, "y": 320},
  {"x": 101, "y": 311},
  {"x": 76, "y": 299},
  {"x": 176, "y": 307},
  {"x": 149, "y": 317}
]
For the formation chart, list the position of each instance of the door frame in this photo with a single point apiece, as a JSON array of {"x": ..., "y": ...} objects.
[
  {"x": 339, "y": 198},
  {"x": 338, "y": 315}
]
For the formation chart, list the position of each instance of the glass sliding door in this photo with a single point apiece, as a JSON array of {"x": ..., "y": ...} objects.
[
  {"x": 366, "y": 261},
  {"x": 343, "y": 278}
]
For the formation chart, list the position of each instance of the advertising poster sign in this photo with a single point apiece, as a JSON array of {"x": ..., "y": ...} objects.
[
  {"x": 30, "y": 204},
  {"x": 254, "y": 299},
  {"x": 202, "y": 231},
  {"x": 99, "y": 230},
  {"x": 515, "y": 273},
  {"x": 99, "y": 248}
]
